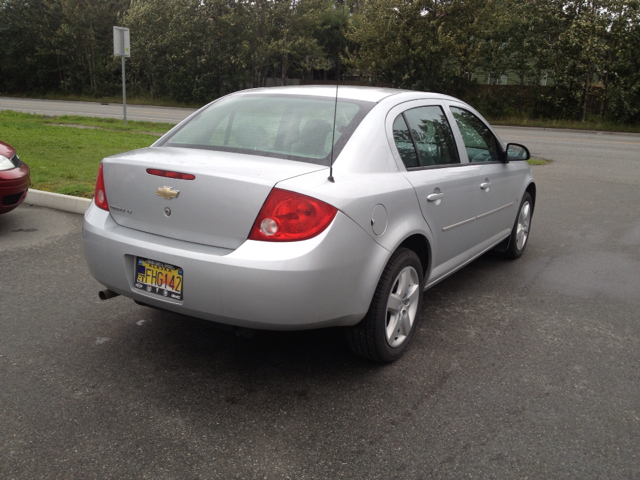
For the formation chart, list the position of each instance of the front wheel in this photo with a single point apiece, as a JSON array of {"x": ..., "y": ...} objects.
[
  {"x": 521, "y": 228},
  {"x": 383, "y": 334}
]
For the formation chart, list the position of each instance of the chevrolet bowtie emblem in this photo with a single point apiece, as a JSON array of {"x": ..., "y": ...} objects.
[{"x": 167, "y": 192}]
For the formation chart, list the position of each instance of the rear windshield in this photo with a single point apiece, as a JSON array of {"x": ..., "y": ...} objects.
[{"x": 283, "y": 126}]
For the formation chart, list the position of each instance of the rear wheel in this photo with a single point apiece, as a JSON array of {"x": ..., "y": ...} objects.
[
  {"x": 521, "y": 227},
  {"x": 384, "y": 333}
]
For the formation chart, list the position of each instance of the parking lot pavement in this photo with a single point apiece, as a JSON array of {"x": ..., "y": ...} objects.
[{"x": 527, "y": 368}]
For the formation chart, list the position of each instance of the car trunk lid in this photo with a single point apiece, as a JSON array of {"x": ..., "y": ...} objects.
[{"x": 217, "y": 207}]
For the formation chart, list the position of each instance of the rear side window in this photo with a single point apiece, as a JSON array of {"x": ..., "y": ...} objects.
[
  {"x": 404, "y": 142},
  {"x": 479, "y": 142},
  {"x": 284, "y": 126},
  {"x": 423, "y": 137}
]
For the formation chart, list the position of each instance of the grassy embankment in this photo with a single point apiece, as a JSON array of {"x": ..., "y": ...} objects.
[
  {"x": 64, "y": 152},
  {"x": 589, "y": 124},
  {"x": 65, "y": 159},
  {"x": 131, "y": 99}
]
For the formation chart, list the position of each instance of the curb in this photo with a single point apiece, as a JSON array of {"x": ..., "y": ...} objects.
[{"x": 57, "y": 201}]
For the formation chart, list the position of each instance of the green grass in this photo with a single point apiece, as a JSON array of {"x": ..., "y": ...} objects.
[
  {"x": 65, "y": 159},
  {"x": 113, "y": 124},
  {"x": 538, "y": 161},
  {"x": 590, "y": 124},
  {"x": 131, "y": 99}
]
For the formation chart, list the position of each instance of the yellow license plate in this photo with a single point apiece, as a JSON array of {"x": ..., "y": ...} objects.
[{"x": 159, "y": 278}]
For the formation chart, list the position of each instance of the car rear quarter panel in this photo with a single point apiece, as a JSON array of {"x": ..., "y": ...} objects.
[{"x": 356, "y": 195}]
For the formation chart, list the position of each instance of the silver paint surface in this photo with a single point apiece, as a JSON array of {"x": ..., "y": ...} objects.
[{"x": 328, "y": 280}]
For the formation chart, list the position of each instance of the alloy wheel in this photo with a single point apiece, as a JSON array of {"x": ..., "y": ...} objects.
[{"x": 402, "y": 306}]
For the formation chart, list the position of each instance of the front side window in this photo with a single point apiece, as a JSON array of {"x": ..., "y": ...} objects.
[
  {"x": 293, "y": 127},
  {"x": 479, "y": 142},
  {"x": 424, "y": 138}
]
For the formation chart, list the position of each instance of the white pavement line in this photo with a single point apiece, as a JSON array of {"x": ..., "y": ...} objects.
[{"x": 57, "y": 201}]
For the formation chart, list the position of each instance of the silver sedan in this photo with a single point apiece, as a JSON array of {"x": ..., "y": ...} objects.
[{"x": 306, "y": 207}]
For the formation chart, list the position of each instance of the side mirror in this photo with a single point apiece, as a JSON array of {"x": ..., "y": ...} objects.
[{"x": 517, "y": 152}]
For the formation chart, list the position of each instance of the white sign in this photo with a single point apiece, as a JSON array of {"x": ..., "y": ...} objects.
[{"x": 121, "y": 43}]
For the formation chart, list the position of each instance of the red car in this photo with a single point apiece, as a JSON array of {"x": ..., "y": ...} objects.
[{"x": 14, "y": 179}]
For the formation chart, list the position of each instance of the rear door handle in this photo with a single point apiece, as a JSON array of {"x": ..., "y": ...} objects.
[
  {"x": 485, "y": 185},
  {"x": 434, "y": 196}
]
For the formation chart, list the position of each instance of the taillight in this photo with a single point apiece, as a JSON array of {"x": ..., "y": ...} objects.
[
  {"x": 100, "y": 196},
  {"x": 289, "y": 217}
]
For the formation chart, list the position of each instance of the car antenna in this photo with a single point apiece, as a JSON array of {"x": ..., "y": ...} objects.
[{"x": 335, "y": 106}]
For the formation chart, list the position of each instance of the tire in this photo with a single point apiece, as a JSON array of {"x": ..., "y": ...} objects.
[
  {"x": 386, "y": 330},
  {"x": 521, "y": 228}
]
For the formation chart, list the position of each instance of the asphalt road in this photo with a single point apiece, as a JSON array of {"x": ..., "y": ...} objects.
[
  {"x": 94, "y": 109},
  {"x": 519, "y": 369}
]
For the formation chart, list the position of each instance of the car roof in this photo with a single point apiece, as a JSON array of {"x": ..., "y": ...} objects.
[{"x": 346, "y": 92}]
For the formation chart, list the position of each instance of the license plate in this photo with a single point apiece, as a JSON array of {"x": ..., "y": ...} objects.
[{"x": 159, "y": 278}]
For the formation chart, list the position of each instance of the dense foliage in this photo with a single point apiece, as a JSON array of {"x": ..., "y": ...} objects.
[{"x": 571, "y": 58}]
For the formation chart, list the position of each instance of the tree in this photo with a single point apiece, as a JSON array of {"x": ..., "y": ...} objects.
[{"x": 425, "y": 45}]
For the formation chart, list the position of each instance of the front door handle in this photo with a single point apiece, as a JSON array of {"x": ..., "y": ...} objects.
[
  {"x": 434, "y": 196},
  {"x": 485, "y": 185}
]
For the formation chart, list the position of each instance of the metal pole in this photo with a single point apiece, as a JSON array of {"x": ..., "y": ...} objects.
[{"x": 124, "y": 92}]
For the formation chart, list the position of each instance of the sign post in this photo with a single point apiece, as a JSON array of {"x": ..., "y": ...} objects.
[{"x": 122, "y": 49}]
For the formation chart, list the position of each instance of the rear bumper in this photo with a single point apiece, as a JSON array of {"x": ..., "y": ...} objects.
[
  {"x": 328, "y": 280},
  {"x": 14, "y": 184}
]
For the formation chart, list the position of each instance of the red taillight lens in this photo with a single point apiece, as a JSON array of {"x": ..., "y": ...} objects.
[
  {"x": 165, "y": 173},
  {"x": 289, "y": 217},
  {"x": 100, "y": 196}
]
